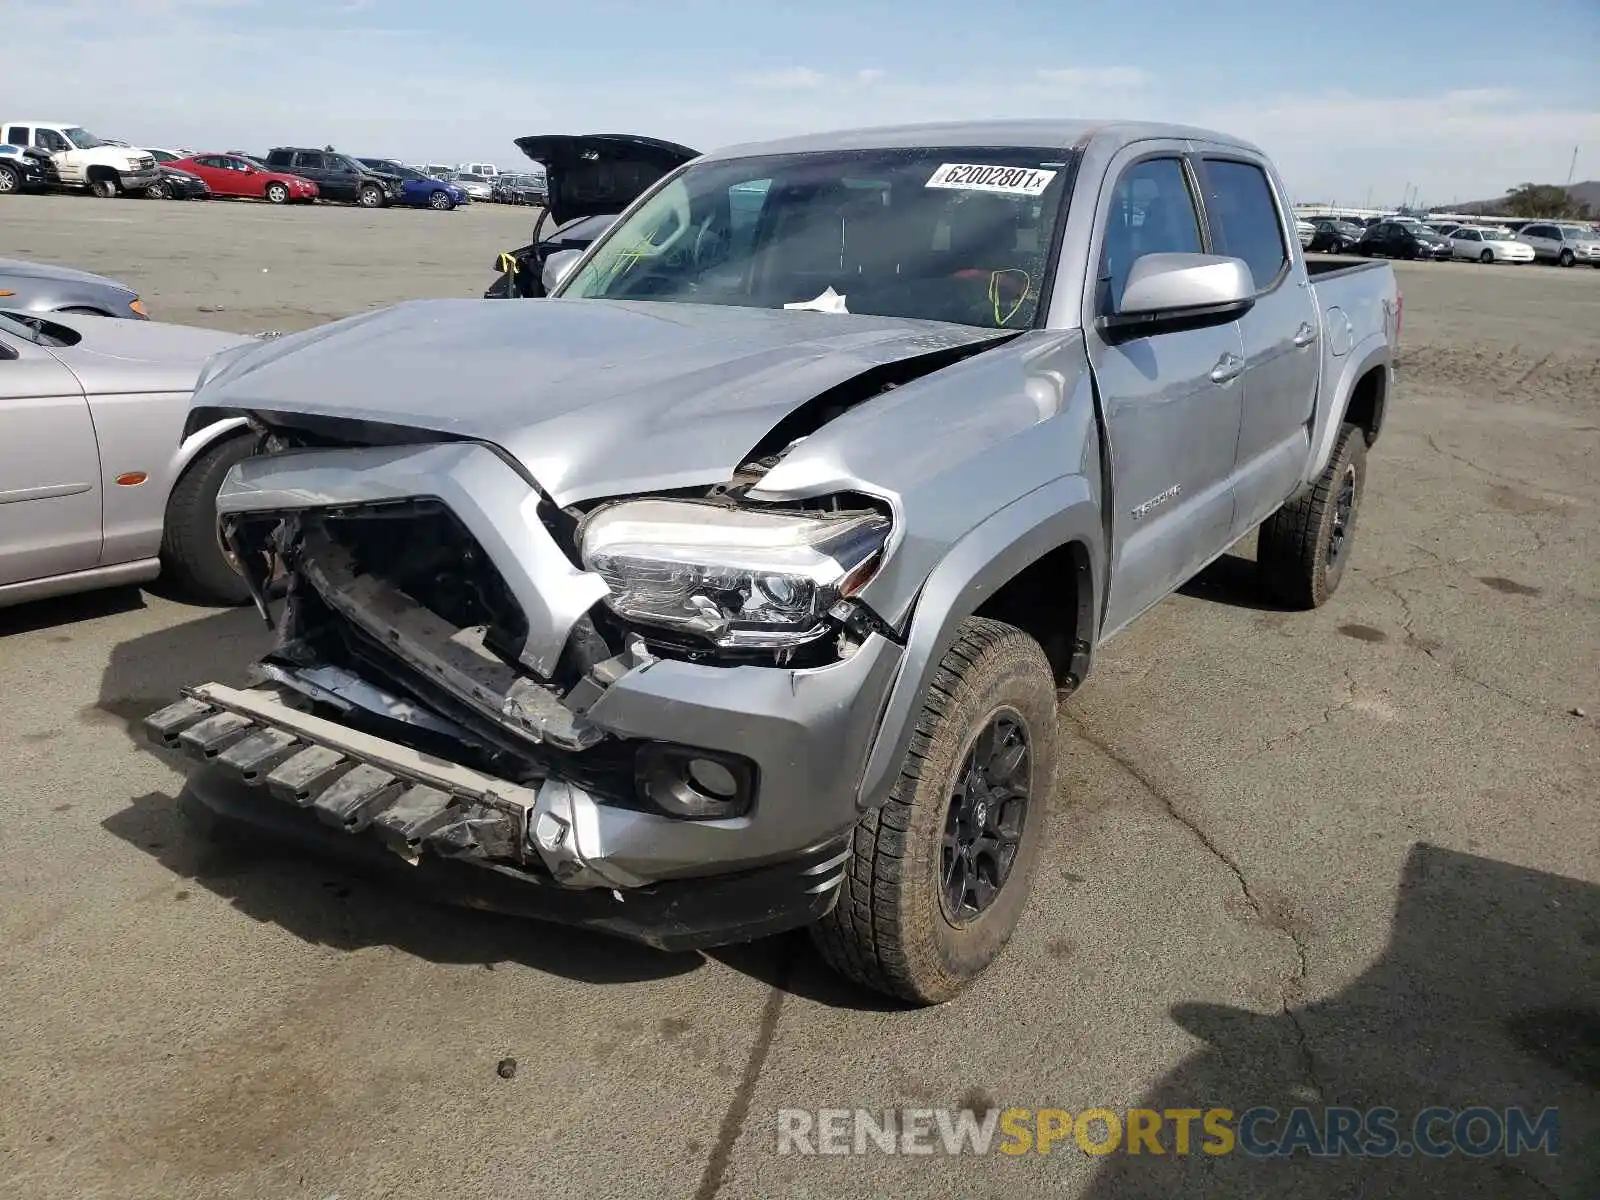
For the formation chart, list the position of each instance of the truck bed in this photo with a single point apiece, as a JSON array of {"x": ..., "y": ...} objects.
[{"x": 1326, "y": 268}]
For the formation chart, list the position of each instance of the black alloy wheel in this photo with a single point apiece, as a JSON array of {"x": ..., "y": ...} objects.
[
  {"x": 1344, "y": 507},
  {"x": 987, "y": 814}
]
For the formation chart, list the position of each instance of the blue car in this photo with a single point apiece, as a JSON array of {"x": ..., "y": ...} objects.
[{"x": 416, "y": 189}]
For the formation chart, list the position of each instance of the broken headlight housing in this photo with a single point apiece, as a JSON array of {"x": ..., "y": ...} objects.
[{"x": 742, "y": 578}]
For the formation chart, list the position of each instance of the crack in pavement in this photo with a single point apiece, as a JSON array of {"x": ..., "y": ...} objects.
[
  {"x": 1509, "y": 1168},
  {"x": 1292, "y": 988},
  {"x": 1482, "y": 470},
  {"x": 1283, "y": 739},
  {"x": 715, "y": 1171},
  {"x": 1431, "y": 651}
]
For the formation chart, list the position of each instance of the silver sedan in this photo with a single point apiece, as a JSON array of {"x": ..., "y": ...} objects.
[
  {"x": 43, "y": 288},
  {"x": 101, "y": 484}
]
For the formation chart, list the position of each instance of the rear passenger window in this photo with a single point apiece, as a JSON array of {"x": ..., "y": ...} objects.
[
  {"x": 1152, "y": 212},
  {"x": 17, "y": 135},
  {"x": 1244, "y": 218}
]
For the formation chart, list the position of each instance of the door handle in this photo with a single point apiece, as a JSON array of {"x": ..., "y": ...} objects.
[
  {"x": 1228, "y": 367},
  {"x": 1305, "y": 335}
]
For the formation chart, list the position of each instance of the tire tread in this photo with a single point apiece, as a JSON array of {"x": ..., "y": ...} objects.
[{"x": 865, "y": 937}]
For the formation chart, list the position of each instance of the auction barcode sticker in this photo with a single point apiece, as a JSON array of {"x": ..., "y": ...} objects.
[{"x": 976, "y": 177}]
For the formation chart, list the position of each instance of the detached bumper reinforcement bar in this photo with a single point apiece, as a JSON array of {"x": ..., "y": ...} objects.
[{"x": 351, "y": 780}]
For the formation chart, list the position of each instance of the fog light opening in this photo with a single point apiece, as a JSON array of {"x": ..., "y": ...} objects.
[
  {"x": 695, "y": 784},
  {"x": 713, "y": 778}
]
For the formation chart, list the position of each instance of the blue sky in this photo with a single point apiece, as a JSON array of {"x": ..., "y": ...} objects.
[{"x": 1461, "y": 100}]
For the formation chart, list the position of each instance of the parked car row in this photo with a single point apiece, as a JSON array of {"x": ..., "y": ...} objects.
[
  {"x": 1563, "y": 244},
  {"x": 44, "y": 155}
]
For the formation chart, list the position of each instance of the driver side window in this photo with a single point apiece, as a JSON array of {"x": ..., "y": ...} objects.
[
  {"x": 49, "y": 139},
  {"x": 1152, "y": 212}
]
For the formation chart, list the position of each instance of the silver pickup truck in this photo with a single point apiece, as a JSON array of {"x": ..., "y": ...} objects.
[{"x": 732, "y": 588}]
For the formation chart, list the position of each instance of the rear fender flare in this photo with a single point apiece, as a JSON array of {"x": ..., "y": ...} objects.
[
  {"x": 1373, "y": 352},
  {"x": 976, "y": 567}
]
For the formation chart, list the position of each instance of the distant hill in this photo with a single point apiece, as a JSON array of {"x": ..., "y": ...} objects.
[{"x": 1587, "y": 192}]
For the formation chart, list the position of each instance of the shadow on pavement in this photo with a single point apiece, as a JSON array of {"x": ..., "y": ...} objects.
[
  {"x": 1488, "y": 993},
  {"x": 64, "y": 610},
  {"x": 1233, "y": 581},
  {"x": 145, "y": 673},
  {"x": 790, "y": 962},
  {"x": 342, "y": 905},
  {"x": 332, "y": 904}
]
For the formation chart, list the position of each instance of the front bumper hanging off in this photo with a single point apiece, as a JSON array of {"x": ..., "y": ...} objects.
[{"x": 296, "y": 775}]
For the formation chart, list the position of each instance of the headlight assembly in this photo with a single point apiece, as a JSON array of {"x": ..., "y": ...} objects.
[{"x": 739, "y": 577}]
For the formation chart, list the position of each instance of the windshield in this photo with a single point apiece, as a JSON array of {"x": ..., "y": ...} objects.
[
  {"x": 1573, "y": 233},
  {"x": 394, "y": 168},
  {"x": 469, "y": 178},
  {"x": 962, "y": 234},
  {"x": 83, "y": 139}
]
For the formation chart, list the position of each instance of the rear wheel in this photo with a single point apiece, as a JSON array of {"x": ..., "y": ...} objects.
[
  {"x": 1303, "y": 547},
  {"x": 192, "y": 553},
  {"x": 938, "y": 877},
  {"x": 277, "y": 193}
]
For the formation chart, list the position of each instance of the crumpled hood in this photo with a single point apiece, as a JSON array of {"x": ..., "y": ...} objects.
[
  {"x": 117, "y": 356},
  {"x": 594, "y": 397}
]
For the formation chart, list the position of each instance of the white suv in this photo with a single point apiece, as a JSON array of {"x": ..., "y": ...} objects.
[{"x": 1564, "y": 244}]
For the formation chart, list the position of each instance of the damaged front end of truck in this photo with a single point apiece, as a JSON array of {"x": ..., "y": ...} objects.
[{"x": 655, "y": 708}]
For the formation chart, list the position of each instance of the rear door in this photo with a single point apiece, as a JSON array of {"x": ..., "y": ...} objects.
[
  {"x": 1282, "y": 357},
  {"x": 1171, "y": 400},
  {"x": 49, "y": 467},
  {"x": 314, "y": 165},
  {"x": 1543, "y": 240}
]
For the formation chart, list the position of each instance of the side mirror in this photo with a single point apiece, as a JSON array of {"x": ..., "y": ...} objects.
[
  {"x": 557, "y": 267},
  {"x": 1189, "y": 288}
]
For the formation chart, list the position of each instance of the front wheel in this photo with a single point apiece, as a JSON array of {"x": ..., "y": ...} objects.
[
  {"x": 938, "y": 877},
  {"x": 1486, "y": 257},
  {"x": 277, "y": 193},
  {"x": 1303, "y": 548},
  {"x": 370, "y": 197},
  {"x": 10, "y": 180},
  {"x": 159, "y": 190},
  {"x": 192, "y": 553},
  {"x": 1566, "y": 259},
  {"x": 440, "y": 201},
  {"x": 105, "y": 187}
]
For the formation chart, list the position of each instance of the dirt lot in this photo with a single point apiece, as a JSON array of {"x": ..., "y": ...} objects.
[{"x": 1350, "y": 857}]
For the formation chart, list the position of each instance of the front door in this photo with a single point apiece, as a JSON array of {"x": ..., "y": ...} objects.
[
  {"x": 49, "y": 466},
  {"x": 67, "y": 160},
  {"x": 1281, "y": 337},
  {"x": 217, "y": 177},
  {"x": 1171, "y": 400}
]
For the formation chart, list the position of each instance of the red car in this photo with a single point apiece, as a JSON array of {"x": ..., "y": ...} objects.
[{"x": 235, "y": 175}]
